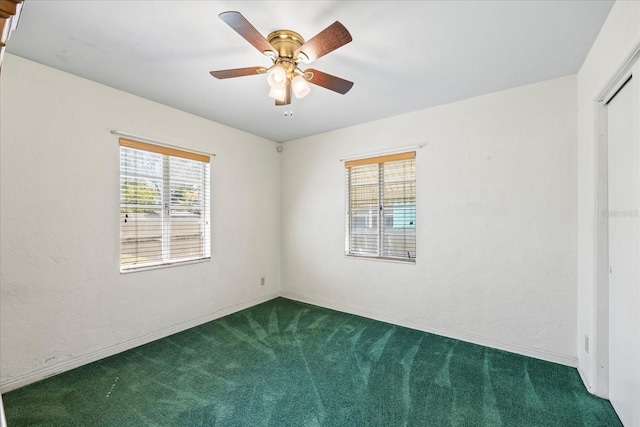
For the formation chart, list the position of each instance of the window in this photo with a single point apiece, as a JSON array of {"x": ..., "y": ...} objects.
[
  {"x": 164, "y": 206},
  {"x": 381, "y": 207}
]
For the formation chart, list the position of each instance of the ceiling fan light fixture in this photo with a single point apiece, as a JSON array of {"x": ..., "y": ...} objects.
[
  {"x": 278, "y": 93},
  {"x": 300, "y": 87},
  {"x": 277, "y": 77},
  {"x": 287, "y": 49}
]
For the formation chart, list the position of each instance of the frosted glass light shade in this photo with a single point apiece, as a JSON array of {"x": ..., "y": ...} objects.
[
  {"x": 277, "y": 77},
  {"x": 277, "y": 93},
  {"x": 300, "y": 87}
]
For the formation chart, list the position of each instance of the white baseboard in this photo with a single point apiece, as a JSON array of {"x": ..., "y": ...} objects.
[
  {"x": 49, "y": 371},
  {"x": 449, "y": 333},
  {"x": 67, "y": 365}
]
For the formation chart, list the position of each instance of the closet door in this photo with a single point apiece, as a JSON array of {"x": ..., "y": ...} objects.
[{"x": 624, "y": 252}]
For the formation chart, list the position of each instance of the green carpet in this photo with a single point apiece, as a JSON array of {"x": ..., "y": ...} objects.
[{"x": 284, "y": 363}]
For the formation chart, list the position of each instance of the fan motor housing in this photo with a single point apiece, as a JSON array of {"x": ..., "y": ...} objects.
[{"x": 285, "y": 42}]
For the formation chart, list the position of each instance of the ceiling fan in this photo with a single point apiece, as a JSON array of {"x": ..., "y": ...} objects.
[{"x": 287, "y": 50}]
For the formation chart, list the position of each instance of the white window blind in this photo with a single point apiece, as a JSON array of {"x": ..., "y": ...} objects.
[
  {"x": 164, "y": 206},
  {"x": 381, "y": 207}
]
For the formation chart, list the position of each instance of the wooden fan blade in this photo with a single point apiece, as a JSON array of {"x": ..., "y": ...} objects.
[
  {"x": 238, "y": 72},
  {"x": 243, "y": 27},
  {"x": 287, "y": 96},
  {"x": 328, "y": 81},
  {"x": 327, "y": 40}
]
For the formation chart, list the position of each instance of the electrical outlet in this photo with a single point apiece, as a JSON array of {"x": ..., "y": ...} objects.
[
  {"x": 262, "y": 281},
  {"x": 586, "y": 344}
]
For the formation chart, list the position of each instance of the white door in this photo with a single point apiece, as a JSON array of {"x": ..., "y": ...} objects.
[{"x": 623, "y": 119}]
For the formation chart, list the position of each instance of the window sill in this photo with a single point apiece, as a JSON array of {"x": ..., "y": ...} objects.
[
  {"x": 165, "y": 265},
  {"x": 385, "y": 259}
]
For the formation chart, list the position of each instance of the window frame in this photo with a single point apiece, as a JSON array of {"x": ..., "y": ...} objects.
[
  {"x": 380, "y": 253},
  {"x": 167, "y": 207}
]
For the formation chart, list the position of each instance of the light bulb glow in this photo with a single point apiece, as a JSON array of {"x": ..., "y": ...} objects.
[
  {"x": 300, "y": 87},
  {"x": 277, "y": 77}
]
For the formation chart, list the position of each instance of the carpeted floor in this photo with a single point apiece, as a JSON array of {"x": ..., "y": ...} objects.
[{"x": 284, "y": 363}]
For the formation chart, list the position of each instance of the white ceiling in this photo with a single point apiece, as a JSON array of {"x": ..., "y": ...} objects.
[{"x": 405, "y": 55}]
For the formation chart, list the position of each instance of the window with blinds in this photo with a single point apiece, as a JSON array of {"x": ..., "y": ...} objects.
[
  {"x": 164, "y": 206},
  {"x": 381, "y": 207}
]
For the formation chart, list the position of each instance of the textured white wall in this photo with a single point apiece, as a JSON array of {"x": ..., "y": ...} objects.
[
  {"x": 496, "y": 221},
  {"x": 618, "y": 39},
  {"x": 63, "y": 300}
]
